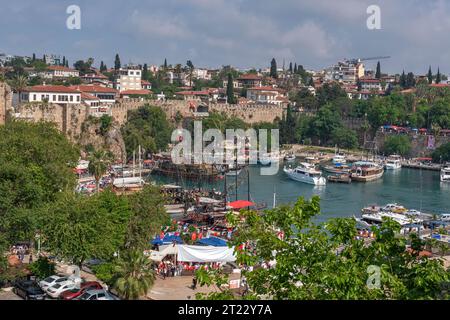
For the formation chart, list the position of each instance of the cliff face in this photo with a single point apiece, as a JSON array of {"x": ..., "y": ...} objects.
[{"x": 93, "y": 137}]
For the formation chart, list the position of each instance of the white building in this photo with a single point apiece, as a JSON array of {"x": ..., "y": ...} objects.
[
  {"x": 107, "y": 96},
  {"x": 370, "y": 84},
  {"x": 128, "y": 78},
  {"x": 53, "y": 72},
  {"x": 266, "y": 95},
  {"x": 347, "y": 71},
  {"x": 51, "y": 94}
]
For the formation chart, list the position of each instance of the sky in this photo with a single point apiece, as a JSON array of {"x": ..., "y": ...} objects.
[{"x": 241, "y": 33}]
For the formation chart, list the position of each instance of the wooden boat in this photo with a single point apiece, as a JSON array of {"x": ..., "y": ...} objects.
[
  {"x": 337, "y": 168},
  {"x": 366, "y": 171},
  {"x": 341, "y": 178}
]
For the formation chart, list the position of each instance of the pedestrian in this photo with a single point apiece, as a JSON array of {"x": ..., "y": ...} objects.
[
  {"x": 31, "y": 258},
  {"x": 194, "y": 283}
]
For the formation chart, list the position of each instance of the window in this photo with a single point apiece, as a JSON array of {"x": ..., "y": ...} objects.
[
  {"x": 34, "y": 97},
  {"x": 71, "y": 98},
  {"x": 78, "y": 98},
  {"x": 54, "y": 97},
  {"x": 131, "y": 73}
]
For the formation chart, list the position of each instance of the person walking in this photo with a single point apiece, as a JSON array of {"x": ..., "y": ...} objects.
[{"x": 194, "y": 283}]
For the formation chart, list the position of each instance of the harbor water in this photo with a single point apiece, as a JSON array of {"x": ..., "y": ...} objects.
[{"x": 412, "y": 188}]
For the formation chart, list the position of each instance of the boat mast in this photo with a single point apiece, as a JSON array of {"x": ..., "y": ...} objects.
[
  {"x": 140, "y": 169},
  {"x": 134, "y": 161}
]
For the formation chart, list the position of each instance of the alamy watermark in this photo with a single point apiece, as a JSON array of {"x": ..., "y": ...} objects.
[
  {"x": 236, "y": 147},
  {"x": 374, "y": 279},
  {"x": 73, "y": 21},
  {"x": 374, "y": 20}
]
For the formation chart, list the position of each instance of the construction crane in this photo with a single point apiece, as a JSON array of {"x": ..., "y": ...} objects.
[{"x": 375, "y": 58}]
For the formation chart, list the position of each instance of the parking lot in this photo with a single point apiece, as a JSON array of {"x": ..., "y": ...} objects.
[{"x": 9, "y": 295}]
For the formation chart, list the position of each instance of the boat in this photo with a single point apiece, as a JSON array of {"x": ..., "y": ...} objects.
[
  {"x": 306, "y": 173},
  {"x": 340, "y": 178},
  {"x": 289, "y": 158},
  {"x": 267, "y": 158},
  {"x": 336, "y": 168},
  {"x": 393, "y": 163},
  {"x": 234, "y": 172},
  {"x": 377, "y": 218},
  {"x": 339, "y": 158},
  {"x": 445, "y": 173},
  {"x": 365, "y": 171}
]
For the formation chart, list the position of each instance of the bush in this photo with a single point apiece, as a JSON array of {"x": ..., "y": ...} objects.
[
  {"x": 397, "y": 145},
  {"x": 42, "y": 268},
  {"x": 105, "y": 272},
  {"x": 442, "y": 153}
]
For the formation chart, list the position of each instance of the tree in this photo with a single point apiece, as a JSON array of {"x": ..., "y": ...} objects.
[
  {"x": 403, "y": 80},
  {"x": 295, "y": 68},
  {"x": 230, "y": 90},
  {"x": 378, "y": 72},
  {"x": 273, "y": 69},
  {"x": 99, "y": 162},
  {"x": 165, "y": 64},
  {"x": 134, "y": 275},
  {"x": 77, "y": 228},
  {"x": 145, "y": 74},
  {"x": 345, "y": 138},
  {"x": 19, "y": 83},
  {"x": 117, "y": 64},
  {"x": 290, "y": 67},
  {"x": 442, "y": 154},
  {"x": 398, "y": 144},
  {"x": 190, "y": 66},
  {"x": 103, "y": 67},
  {"x": 430, "y": 76},
  {"x": 34, "y": 57},
  {"x": 147, "y": 126},
  {"x": 410, "y": 80},
  {"x": 325, "y": 261},
  {"x": 438, "y": 76},
  {"x": 148, "y": 215},
  {"x": 64, "y": 61}
]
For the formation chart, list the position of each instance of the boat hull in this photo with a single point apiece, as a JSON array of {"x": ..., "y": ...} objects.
[
  {"x": 305, "y": 179},
  {"x": 367, "y": 178}
]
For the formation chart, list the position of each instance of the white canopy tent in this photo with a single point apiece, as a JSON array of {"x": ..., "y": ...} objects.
[{"x": 187, "y": 253}]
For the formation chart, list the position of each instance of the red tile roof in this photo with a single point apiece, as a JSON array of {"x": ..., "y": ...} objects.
[
  {"x": 137, "y": 92},
  {"x": 193, "y": 93},
  {"x": 94, "y": 89},
  {"x": 61, "y": 68},
  {"x": 145, "y": 82},
  {"x": 249, "y": 76},
  {"x": 439, "y": 85},
  {"x": 87, "y": 96},
  {"x": 45, "y": 88}
]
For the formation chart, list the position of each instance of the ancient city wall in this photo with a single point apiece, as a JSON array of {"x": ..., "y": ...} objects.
[{"x": 5, "y": 101}]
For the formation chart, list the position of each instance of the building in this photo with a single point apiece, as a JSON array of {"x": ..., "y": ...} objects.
[
  {"x": 370, "y": 84},
  {"x": 202, "y": 74},
  {"x": 92, "y": 78},
  {"x": 249, "y": 80},
  {"x": 126, "y": 94},
  {"x": 266, "y": 95},
  {"x": 54, "y": 72},
  {"x": 128, "y": 78},
  {"x": 146, "y": 85},
  {"x": 107, "y": 96},
  {"x": 194, "y": 95},
  {"x": 51, "y": 94},
  {"x": 347, "y": 71},
  {"x": 52, "y": 59}
]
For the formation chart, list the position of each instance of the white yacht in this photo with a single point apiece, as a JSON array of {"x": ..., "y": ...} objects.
[
  {"x": 339, "y": 158},
  {"x": 306, "y": 173},
  {"x": 445, "y": 173},
  {"x": 393, "y": 163},
  {"x": 377, "y": 218}
]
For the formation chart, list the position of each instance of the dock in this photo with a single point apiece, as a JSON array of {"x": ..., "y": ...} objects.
[{"x": 421, "y": 166}]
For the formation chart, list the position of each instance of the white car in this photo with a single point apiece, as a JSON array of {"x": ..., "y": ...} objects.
[
  {"x": 58, "y": 288},
  {"x": 50, "y": 281}
]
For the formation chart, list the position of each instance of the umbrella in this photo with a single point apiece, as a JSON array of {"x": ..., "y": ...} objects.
[{"x": 241, "y": 204}]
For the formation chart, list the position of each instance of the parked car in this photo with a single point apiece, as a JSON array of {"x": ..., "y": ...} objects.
[
  {"x": 96, "y": 295},
  {"x": 49, "y": 281},
  {"x": 28, "y": 290},
  {"x": 73, "y": 293},
  {"x": 52, "y": 280},
  {"x": 55, "y": 290}
]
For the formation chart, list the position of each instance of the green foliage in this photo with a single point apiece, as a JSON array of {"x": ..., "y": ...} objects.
[
  {"x": 99, "y": 162},
  {"x": 148, "y": 215},
  {"x": 42, "y": 268},
  {"x": 36, "y": 165},
  {"x": 398, "y": 144},
  {"x": 79, "y": 228},
  {"x": 326, "y": 261},
  {"x": 442, "y": 153},
  {"x": 105, "y": 272},
  {"x": 230, "y": 90},
  {"x": 105, "y": 123},
  {"x": 148, "y": 127},
  {"x": 134, "y": 275},
  {"x": 273, "y": 69},
  {"x": 344, "y": 138}
]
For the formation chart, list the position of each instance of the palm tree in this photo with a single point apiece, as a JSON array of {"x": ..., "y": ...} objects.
[
  {"x": 19, "y": 83},
  {"x": 99, "y": 162},
  {"x": 134, "y": 275}
]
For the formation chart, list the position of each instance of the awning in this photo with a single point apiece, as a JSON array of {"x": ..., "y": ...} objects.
[
  {"x": 241, "y": 204},
  {"x": 167, "y": 239},
  {"x": 205, "y": 254},
  {"x": 213, "y": 241}
]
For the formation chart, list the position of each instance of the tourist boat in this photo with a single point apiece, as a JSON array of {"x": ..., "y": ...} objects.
[
  {"x": 339, "y": 158},
  {"x": 306, "y": 173},
  {"x": 337, "y": 168},
  {"x": 377, "y": 218},
  {"x": 268, "y": 158},
  {"x": 445, "y": 173},
  {"x": 393, "y": 163},
  {"x": 289, "y": 158},
  {"x": 364, "y": 171}
]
